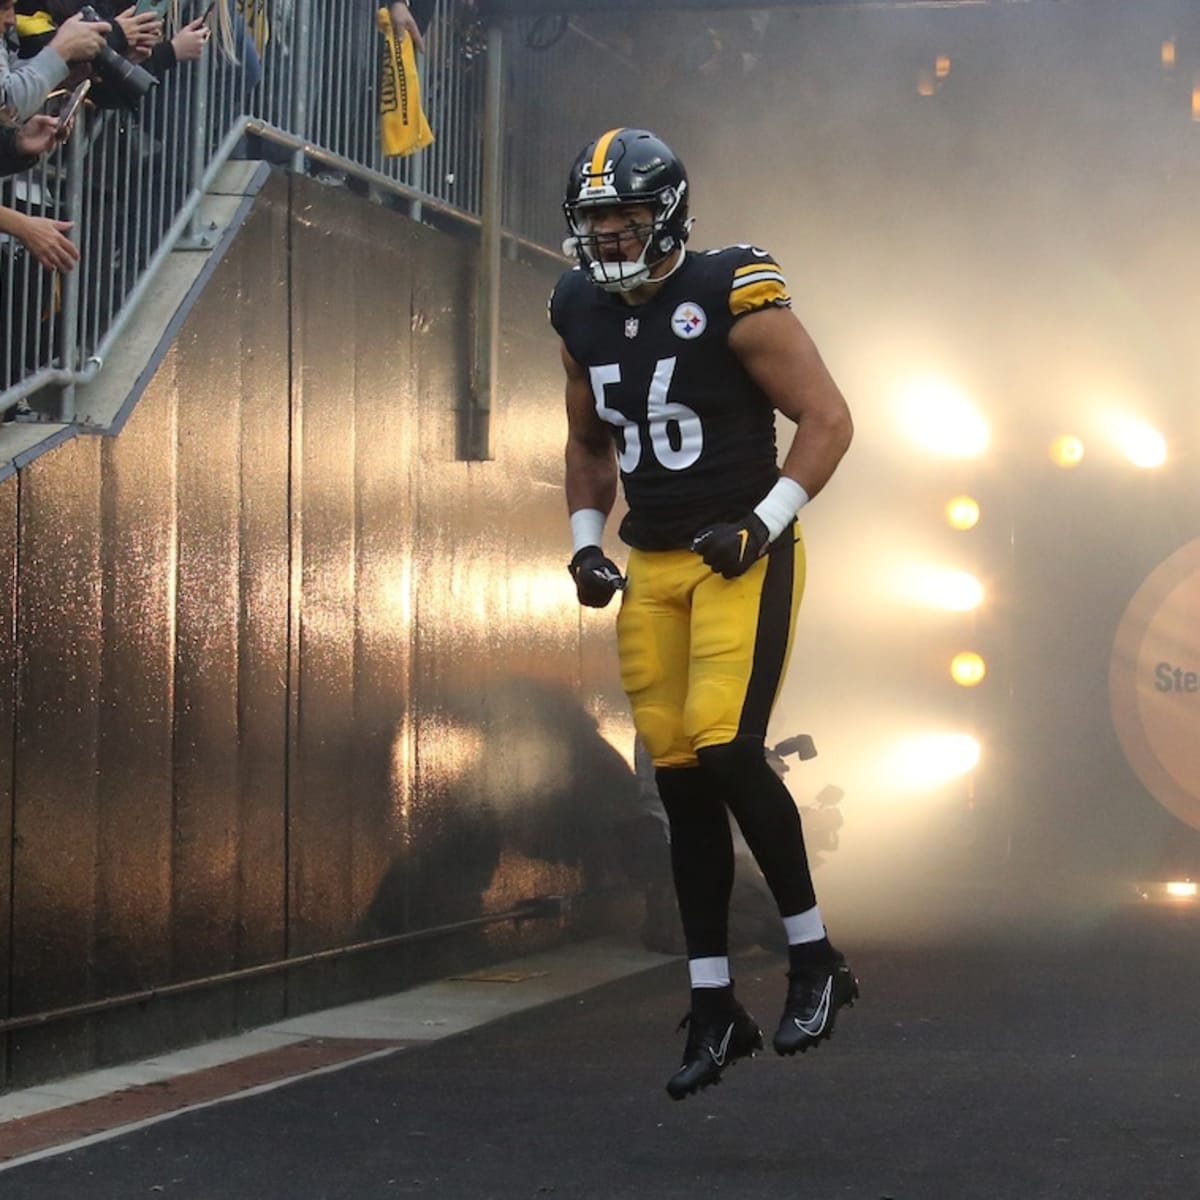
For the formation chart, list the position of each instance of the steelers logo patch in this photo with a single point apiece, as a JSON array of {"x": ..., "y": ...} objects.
[{"x": 688, "y": 320}]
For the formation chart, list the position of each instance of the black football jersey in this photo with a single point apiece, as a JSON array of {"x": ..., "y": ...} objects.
[{"x": 695, "y": 435}]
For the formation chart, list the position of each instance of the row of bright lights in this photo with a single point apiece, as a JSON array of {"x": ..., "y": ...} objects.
[
  {"x": 943, "y": 420},
  {"x": 1168, "y": 55},
  {"x": 930, "y": 79},
  {"x": 1143, "y": 445},
  {"x": 940, "y": 418},
  {"x": 951, "y": 590}
]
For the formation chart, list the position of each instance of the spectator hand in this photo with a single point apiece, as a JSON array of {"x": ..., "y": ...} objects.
[
  {"x": 732, "y": 547},
  {"x": 190, "y": 41},
  {"x": 404, "y": 22},
  {"x": 143, "y": 31},
  {"x": 38, "y": 135},
  {"x": 47, "y": 241},
  {"x": 596, "y": 577},
  {"x": 78, "y": 40}
]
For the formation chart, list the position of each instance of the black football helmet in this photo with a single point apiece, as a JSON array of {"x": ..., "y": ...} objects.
[{"x": 627, "y": 166}]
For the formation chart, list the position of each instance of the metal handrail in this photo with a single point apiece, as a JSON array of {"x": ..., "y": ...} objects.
[
  {"x": 145, "y": 182},
  {"x": 62, "y": 377},
  {"x": 127, "y": 186},
  {"x": 536, "y": 908}
]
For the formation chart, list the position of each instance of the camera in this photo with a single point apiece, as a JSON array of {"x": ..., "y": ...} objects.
[{"x": 132, "y": 81}]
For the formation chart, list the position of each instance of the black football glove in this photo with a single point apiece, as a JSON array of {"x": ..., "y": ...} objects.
[
  {"x": 596, "y": 577},
  {"x": 732, "y": 547}
]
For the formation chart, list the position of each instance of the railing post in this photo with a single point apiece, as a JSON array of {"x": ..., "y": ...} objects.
[
  {"x": 301, "y": 44},
  {"x": 487, "y": 306},
  {"x": 69, "y": 329},
  {"x": 198, "y": 134}
]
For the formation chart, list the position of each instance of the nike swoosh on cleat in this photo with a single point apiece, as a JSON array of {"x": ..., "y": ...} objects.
[
  {"x": 816, "y": 1025},
  {"x": 719, "y": 1058}
]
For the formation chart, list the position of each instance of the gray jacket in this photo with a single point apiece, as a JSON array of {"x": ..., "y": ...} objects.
[{"x": 25, "y": 83}]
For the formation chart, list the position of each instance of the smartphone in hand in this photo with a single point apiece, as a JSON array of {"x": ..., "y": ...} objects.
[{"x": 71, "y": 108}]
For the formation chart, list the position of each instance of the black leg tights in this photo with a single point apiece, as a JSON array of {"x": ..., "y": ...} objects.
[
  {"x": 701, "y": 857},
  {"x": 738, "y": 772}
]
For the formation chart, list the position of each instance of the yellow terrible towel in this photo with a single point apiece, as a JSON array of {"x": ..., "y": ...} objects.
[{"x": 403, "y": 128}]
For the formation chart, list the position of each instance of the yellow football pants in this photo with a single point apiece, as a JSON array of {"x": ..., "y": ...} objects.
[{"x": 702, "y": 657}]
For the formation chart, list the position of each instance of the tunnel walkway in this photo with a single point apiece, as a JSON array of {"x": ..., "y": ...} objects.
[{"x": 1031, "y": 1063}]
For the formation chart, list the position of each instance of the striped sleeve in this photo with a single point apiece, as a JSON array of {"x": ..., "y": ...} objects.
[{"x": 757, "y": 284}]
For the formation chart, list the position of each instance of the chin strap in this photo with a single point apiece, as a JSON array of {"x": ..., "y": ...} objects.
[
  {"x": 679, "y": 257},
  {"x": 640, "y": 279}
]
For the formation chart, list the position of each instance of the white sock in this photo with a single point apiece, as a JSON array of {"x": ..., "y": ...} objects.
[
  {"x": 804, "y": 927},
  {"x": 709, "y": 972}
]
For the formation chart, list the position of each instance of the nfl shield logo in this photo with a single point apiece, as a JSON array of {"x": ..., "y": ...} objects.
[{"x": 631, "y": 327}]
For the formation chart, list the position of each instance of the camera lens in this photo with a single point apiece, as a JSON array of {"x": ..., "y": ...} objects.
[{"x": 132, "y": 81}]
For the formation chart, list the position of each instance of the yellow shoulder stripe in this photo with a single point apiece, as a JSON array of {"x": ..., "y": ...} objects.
[
  {"x": 754, "y": 296},
  {"x": 754, "y": 268}
]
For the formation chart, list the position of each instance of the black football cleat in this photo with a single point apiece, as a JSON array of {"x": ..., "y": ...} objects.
[
  {"x": 713, "y": 1046},
  {"x": 814, "y": 996}
]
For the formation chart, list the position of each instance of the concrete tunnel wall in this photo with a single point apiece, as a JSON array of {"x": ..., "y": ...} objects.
[{"x": 279, "y": 673}]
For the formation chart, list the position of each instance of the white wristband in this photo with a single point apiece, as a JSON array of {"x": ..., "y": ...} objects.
[
  {"x": 779, "y": 506},
  {"x": 587, "y": 528}
]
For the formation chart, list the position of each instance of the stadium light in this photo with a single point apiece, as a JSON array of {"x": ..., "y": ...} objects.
[
  {"x": 967, "y": 668},
  {"x": 926, "y": 761},
  {"x": 941, "y": 587},
  {"x": 1140, "y": 442},
  {"x": 1066, "y": 451},
  {"x": 1146, "y": 448},
  {"x": 940, "y": 418},
  {"x": 962, "y": 513}
]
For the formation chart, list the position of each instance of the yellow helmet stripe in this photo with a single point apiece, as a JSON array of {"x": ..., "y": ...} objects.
[{"x": 600, "y": 156}]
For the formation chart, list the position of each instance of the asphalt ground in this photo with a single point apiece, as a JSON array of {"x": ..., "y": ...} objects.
[{"x": 1014, "y": 1065}]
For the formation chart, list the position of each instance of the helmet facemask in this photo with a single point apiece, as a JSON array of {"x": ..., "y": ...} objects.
[{"x": 663, "y": 236}]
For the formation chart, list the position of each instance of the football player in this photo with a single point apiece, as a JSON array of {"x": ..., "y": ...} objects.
[{"x": 676, "y": 363}]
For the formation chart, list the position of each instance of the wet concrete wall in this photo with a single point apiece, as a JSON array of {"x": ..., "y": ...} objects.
[{"x": 279, "y": 673}]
